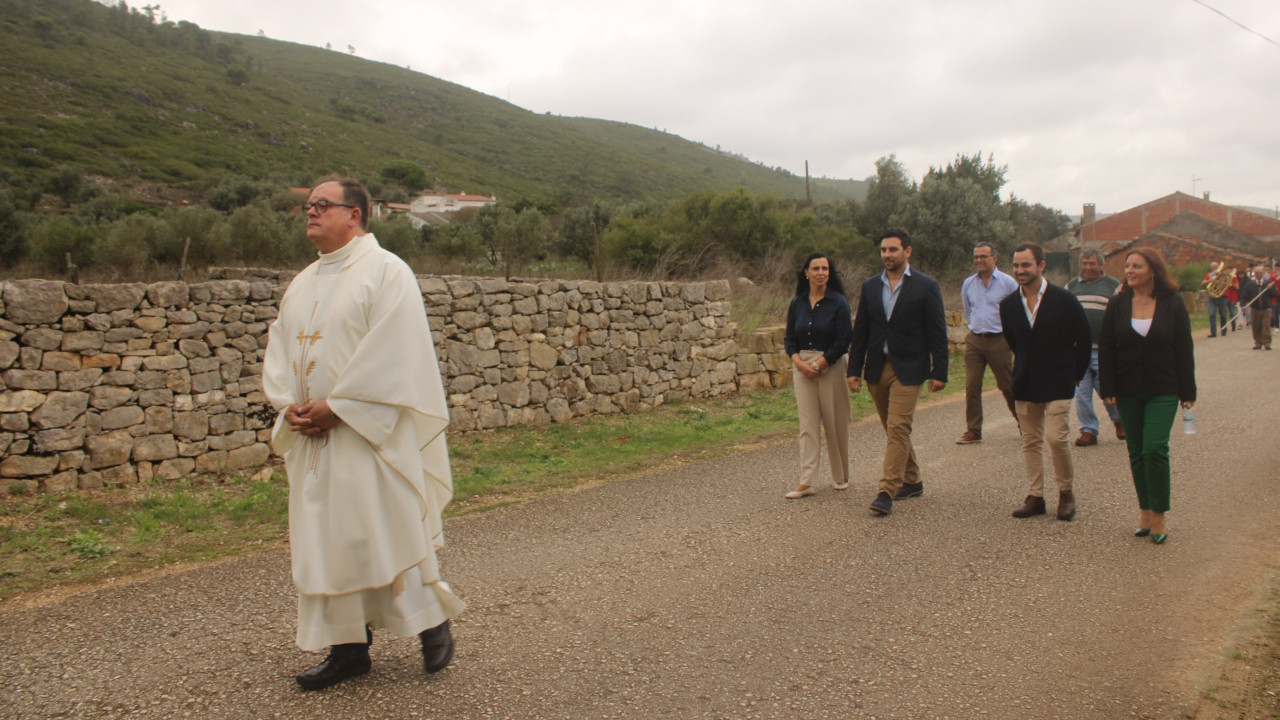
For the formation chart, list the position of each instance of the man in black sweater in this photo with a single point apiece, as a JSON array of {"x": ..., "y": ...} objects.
[{"x": 1049, "y": 333}]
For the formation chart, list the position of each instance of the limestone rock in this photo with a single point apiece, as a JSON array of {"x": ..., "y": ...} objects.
[
  {"x": 60, "y": 409},
  {"x": 105, "y": 397},
  {"x": 34, "y": 302},
  {"x": 116, "y": 297},
  {"x": 109, "y": 449},
  {"x": 153, "y": 448},
  {"x": 59, "y": 440},
  {"x": 20, "y": 401},
  {"x": 122, "y": 417},
  {"x": 168, "y": 294},
  {"x": 8, "y": 353},
  {"x": 16, "y": 466}
]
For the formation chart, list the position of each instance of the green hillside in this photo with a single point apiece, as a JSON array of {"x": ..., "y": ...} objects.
[{"x": 117, "y": 94}]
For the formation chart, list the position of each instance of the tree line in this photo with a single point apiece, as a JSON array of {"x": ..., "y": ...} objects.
[{"x": 256, "y": 222}]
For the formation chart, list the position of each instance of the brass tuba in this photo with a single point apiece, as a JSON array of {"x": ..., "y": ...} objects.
[{"x": 1217, "y": 287}]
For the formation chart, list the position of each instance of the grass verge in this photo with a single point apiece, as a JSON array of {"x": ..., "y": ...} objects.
[{"x": 53, "y": 540}]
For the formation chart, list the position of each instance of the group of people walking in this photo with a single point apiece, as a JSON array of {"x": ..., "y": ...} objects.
[
  {"x": 1049, "y": 348},
  {"x": 1247, "y": 297}
]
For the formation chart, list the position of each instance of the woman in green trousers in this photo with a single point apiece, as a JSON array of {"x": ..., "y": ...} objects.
[{"x": 1146, "y": 367}]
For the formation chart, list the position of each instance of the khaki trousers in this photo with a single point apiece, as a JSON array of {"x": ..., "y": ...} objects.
[
  {"x": 1261, "y": 322},
  {"x": 823, "y": 406},
  {"x": 896, "y": 405},
  {"x": 979, "y": 352},
  {"x": 1046, "y": 423}
]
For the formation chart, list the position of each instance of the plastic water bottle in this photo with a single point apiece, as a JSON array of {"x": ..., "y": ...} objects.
[{"x": 1188, "y": 421}]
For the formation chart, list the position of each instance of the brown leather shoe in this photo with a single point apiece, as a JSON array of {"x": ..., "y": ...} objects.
[
  {"x": 1119, "y": 430},
  {"x": 1086, "y": 439},
  {"x": 969, "y": 437},
  {"x": 1031, "y": 506},
  {"x": 1066, "y": 505}
]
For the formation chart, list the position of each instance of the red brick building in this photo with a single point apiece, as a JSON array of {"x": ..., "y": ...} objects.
[
  {"x": 1138, "y": 221},
  {"x": 1186, "y": 229}
]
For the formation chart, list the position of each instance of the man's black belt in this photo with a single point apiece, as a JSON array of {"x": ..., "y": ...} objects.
[{"x": 987, "y": 334}]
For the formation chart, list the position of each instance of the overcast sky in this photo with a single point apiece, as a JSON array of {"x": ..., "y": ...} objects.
[{"x": 1114, "y": 102}]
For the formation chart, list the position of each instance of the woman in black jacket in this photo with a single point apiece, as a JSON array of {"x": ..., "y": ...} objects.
[
  {"x": 819, "y": 329},
  {"x": 1146, "y": 367}
]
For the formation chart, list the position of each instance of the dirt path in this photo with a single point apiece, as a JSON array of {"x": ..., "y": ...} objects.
[{"x": 699, "y": 592}]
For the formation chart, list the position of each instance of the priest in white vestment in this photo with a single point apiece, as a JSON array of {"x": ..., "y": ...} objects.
[{"x": 352, "y": 371}]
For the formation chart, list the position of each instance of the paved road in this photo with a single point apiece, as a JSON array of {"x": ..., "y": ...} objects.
[{"x": 697, "y": 591}]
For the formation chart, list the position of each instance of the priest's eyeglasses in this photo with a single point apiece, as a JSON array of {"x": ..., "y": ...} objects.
[{"x": 322, "y": 206}]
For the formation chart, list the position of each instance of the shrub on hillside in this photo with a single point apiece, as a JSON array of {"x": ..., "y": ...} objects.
[
  {"x": 135, "y": 240},
  {"x": 399, "y": 236},
  {"x": 455, "y": 242},
  {"x": 233, "y": 192},
  {"x": 254, "y": 235},
  {"x": 12, "y": 244},
  {"x": 203, "y": 227},
  {"x": 51, "y": 240}
]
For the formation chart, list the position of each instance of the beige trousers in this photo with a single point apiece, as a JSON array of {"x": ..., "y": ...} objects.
[
  {"x": 979, "y": 352},
  {"x": 1046, "y": 423},
  {"x": 823, "y": 406},
  {"x": 896, "y": 405}
]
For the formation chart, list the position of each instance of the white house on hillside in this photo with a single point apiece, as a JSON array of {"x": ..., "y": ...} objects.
[
  {"x": 442, "y": 202},
  {"x": 431, "y": 208}
]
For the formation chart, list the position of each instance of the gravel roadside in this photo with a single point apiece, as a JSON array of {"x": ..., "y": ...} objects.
[{"x": 697, "y": 591}]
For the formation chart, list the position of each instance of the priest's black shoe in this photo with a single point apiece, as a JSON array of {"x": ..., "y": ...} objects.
[
  {"x": 344, "y": 662},
  {"x": 437, "y": 648}
]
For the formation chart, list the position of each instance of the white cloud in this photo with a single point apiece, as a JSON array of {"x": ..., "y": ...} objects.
[{"x": 1091, "y": 101}]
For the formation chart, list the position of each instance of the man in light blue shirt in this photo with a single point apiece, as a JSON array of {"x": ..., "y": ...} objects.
[{"x": 985, "y": 344}]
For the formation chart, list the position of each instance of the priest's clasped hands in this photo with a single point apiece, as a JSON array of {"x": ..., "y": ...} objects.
[{"x": 314, "y": 419}]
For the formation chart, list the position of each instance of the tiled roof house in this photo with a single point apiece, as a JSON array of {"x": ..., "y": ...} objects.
[{"x": 1185, "y": 228}]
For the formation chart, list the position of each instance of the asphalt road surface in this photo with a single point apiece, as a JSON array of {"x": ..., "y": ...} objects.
[{"x": 697, "y": 591}]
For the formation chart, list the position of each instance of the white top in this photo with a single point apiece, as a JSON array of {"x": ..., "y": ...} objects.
[
  {"x": 1028, "y": 308},
  {"x": 1142, "y": 327}
]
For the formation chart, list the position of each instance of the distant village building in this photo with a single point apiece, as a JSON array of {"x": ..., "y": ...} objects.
[
  {"x": 435, "y": 208},
  {"x": 1186, "y": 229},
  {"x": 428, "y": 209}
]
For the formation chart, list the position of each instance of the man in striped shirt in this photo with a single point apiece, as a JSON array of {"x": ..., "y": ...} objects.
[{"x": 1093, "y": 289}]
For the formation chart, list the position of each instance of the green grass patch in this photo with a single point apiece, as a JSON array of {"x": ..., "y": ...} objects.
[{"x": 47, "y": 540}]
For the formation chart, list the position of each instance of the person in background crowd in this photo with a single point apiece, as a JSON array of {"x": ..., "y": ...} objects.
[
  {"x": 984, "y": 345},
  {"x": 1272, "y": 277},
  {"x": 1257, "y": 293},
  {"x": 899, "y": 342},
  {"x": 1049, "y": 333},
  {"x": 1093, "y": 288},
  {"x": 819, "y": 328},
  {"x": 1242, "y": 274},
  {"x": 1219, "y": 307},
  {"x": 1146, "y": 366},
  {"x": 1233, "y": 299}
]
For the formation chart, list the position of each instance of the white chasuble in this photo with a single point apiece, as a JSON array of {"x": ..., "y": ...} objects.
[{"x": 365, "y": 500}]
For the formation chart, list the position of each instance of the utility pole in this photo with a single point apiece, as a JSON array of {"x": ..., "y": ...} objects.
[
  {"x": 808, "y": 199},
  {"x": 1194, "y": 180}
]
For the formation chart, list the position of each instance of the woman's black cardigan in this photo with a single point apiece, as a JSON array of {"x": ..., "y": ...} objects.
[{"x": 1162, "y": 363}]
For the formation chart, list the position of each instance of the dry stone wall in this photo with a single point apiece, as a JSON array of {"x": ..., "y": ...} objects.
[
  {"x": 535, "y": 352},
  {"x": 118, "y": 384}
]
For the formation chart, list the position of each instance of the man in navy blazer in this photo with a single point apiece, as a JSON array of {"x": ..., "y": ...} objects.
[
  {"x": 899, "y": 342},
  {"x": 1048, "y": 330}
]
